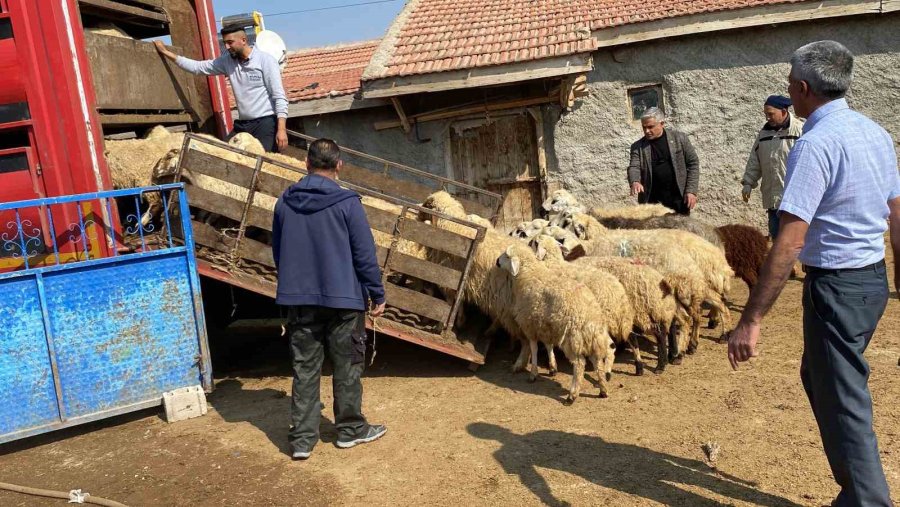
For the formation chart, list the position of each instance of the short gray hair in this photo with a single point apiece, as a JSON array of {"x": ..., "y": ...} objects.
[
  {"x": 654, "y": 113},
  {"x": 826, "y": 66}
]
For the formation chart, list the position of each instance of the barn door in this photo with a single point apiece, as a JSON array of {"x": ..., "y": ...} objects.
[{"x": 500, "y": 154}]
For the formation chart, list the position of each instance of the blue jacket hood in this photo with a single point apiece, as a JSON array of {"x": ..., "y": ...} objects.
[{"x": 314, "y": 193}]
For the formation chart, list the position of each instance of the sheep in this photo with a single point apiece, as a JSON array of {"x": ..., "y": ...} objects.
[
  {"x": 384, "y": 239},
  {"x": 487, "y": 287},
  {"x": 638, "y": 211},
  {"x": 671, "y": 221},
  {"x": 551, "y": 309},
  {"x": 529, "y": 229},
  {"x": 746, "y": 249},
  {"x": 559, "y": 201},
  {"x": 669, "y": 251},
  {"x": 612, "y": 305},
  {"x": 651, "y": 296}
]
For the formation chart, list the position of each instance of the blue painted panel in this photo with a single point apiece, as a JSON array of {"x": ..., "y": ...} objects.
[
  {"x": 123, "y": 333},
  {"x": 26, "y": 380}
]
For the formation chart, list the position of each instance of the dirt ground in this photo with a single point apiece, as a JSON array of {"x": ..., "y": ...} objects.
[{"x": 488, "y": 438}]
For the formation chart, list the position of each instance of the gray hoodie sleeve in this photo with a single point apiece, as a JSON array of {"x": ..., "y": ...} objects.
[
  {"x": 272, "y": 80},
  {"x": 206, "y": 67}
]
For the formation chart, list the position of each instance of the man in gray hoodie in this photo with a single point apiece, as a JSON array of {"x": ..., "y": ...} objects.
[{"x": 256, "y": 80}]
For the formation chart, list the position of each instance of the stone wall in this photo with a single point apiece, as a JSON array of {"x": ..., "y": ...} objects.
[{"x": 714, "y": 85}]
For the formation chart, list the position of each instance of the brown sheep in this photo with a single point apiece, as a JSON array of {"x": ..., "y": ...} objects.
[
  {"x": 745, "y": 249},
  {"x": 671, "y": 221}
]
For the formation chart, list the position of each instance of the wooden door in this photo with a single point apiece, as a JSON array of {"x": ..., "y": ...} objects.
[{"x": 500, "y": 154}]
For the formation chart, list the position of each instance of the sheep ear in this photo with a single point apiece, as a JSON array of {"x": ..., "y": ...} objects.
[
  {"x": 548, "y": 203},
  {"x": 540, "y": 252},
  {"x": 515, "y": 264}
]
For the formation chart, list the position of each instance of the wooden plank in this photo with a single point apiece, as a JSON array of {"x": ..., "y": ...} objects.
[
  {"x": 131, "y": 75},
  {"x": 415, "y": 302},
  {"x": 477, "y": 77},
  {"x": 260, "y": 217},
  {"x": 142, "y": 119},
  {"x": 256, "y": 251},
  {"x": 433, "y": 237},
  {"x": 404, "y": 189},
  {"x": 404, "y": 121},
  {"x": 380, "y": 220},
  {"x": 466, "y": 111},
  {"x": 215, "y": 203},
  {"x": 424, "y": 270},
  {"x": 327, "y": 105},
  {"x": 208, "y": 236},
  {"x": 217, "y": 167},
  {"x": 125, "y": 9},
  {"x": 250, "y": 249},
  {"x": 271, "y": 184},
  {"x": 729, "y": 20}
]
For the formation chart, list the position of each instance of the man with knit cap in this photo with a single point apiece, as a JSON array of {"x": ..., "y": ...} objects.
[{"x": 768, "y": 158}]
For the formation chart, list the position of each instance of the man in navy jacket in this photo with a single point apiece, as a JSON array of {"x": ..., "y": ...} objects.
[{"x": 327, "y": 274}]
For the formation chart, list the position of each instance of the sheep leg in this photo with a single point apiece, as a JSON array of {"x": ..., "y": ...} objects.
[
  {"x": 522, "y": 360},
  {"x": 636, "y": 350},
  {"x": 695, "y": 328},
  {"x": 551, "y": 356},
  {"x": 533, "y": 373},
  {"x": 662, "y": 347},
  {"x": 720, "y": 306},
  {"x": 601, "y": 361},
  {"x": 713, "y": 318},
  {"x": 577, "y": 374}
]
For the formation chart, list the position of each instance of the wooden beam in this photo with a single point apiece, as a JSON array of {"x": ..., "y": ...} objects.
[
  {"x": 332, "y": 105},
  {"x": 404, "y": 122},
  {"x": 728, "y": 20},
  {"x": 121, "y": 8},
  {"x": 141, "y": 119},
  {"x": 465, "y": 111},
  {"x": 480, "y": 76}
]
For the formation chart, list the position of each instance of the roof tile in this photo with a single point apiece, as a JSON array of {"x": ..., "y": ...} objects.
[{"x": 470, "y": 32}]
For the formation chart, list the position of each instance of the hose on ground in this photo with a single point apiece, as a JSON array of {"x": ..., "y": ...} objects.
[{"x": 96, "y": 500}]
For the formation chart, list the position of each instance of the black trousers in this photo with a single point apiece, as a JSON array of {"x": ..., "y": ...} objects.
[
  {"x": 840, "y": 312},
  {"x": 315, "y": 330},
  {"x": 263, "y": 129}
]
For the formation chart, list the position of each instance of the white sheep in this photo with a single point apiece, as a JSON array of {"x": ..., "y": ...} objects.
[
  {"x": 552, "y": 310},
  {"x": 612, "y": 304},
  {"x": 670, "y": 252}
]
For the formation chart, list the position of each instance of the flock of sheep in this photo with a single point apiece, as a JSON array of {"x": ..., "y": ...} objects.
[
  {"x": 583, "y": 282},
  {"x": 572, "y": 283}
]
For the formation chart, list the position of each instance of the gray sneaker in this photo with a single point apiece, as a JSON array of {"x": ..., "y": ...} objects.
[
  {"x": 370, "y": 434},
  {"x": 301, "y": 455}
]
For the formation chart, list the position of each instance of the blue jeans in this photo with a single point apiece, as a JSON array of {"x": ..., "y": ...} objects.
[
  {"x": 840, "y": 312},
  {"x": 774, "y": 223}
]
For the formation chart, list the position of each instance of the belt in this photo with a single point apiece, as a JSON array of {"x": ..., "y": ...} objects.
[{"x": 825, "y": 271}]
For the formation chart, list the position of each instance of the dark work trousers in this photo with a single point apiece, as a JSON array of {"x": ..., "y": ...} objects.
[
  {"x": 774, "y": 223},
  {"x": 263, "y": 129},
  {"x": 840, "y": 312},
  {"x": 313, "y": 331}
]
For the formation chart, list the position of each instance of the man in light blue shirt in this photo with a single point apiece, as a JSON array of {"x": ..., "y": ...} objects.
[
  {"x": 842, "y": 185},
  {"x": 256, "y": 80}
]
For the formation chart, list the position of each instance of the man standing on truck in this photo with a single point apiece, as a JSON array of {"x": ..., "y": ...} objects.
[
  {"x": 327, "y": 273},
  {"x": 256, "y": 80}
]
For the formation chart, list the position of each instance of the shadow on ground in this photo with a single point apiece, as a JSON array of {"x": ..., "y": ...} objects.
[{"x": 630, "y": 469}]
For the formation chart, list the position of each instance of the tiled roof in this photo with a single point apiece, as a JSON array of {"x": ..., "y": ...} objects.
[
  {"x": 441, "y": 35},
  {"x": 337, "y": 70},
  {"x": 323, "y": 72}
]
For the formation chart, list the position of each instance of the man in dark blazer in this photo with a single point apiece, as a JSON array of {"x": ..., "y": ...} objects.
[{"x": 664, "y": 167}]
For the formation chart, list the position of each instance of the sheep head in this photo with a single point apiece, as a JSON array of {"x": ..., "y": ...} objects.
[
  {"x": 558, "y": 201},
  {"x": 510, "y": 262},
  {"x": 545, "y": 246},
  {"x": 443, "y": 202}
]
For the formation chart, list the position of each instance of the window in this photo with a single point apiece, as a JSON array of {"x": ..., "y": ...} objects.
[{"x": 643, "y": 98}]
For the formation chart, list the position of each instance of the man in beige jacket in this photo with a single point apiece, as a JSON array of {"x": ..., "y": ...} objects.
[{"x": 768, "y": 158}]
